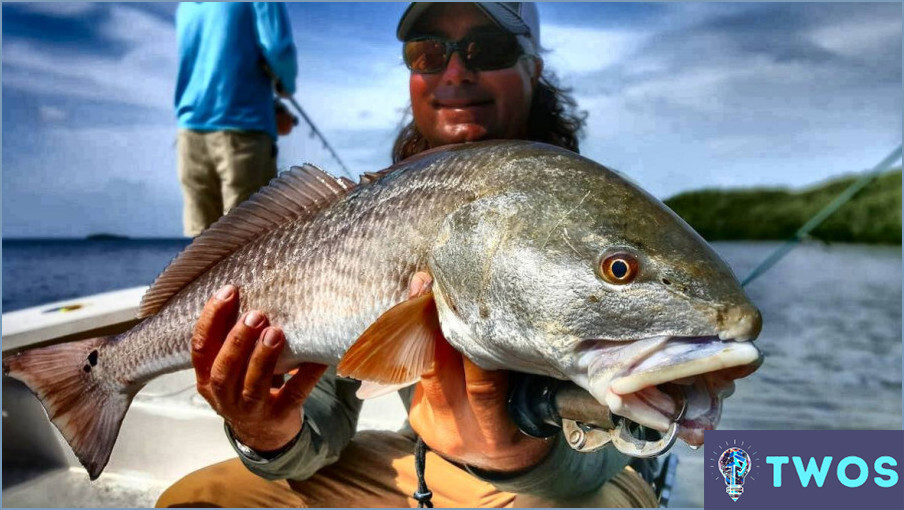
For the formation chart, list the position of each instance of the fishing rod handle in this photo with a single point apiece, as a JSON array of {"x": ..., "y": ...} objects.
[
  {"x": 542, "y": 407},
  {"x": 538, "y": 405}
]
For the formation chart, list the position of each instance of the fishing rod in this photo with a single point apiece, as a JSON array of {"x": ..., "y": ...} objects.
[
  {"x": 822, "y": 215},
  {"x": 282, "y": 92}
]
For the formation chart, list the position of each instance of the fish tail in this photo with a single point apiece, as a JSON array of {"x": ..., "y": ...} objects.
[{"x": 82, "y": 403}]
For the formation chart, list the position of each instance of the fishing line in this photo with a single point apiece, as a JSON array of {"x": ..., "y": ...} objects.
[
  {"x": 168, "y": 394},
  {"x": 821, "y": 216},
  {"x": 279, "y": 88}
]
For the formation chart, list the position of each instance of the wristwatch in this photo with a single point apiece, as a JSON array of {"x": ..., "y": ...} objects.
[{"x": 258, "y": 457}]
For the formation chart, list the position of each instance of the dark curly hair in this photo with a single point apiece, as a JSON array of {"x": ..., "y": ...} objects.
[{"x": 554, "y": 119}]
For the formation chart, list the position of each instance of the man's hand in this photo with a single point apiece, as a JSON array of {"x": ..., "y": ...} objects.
[
  {"x": 460, "y": 411},
  {"x": 234, "y": 364}
]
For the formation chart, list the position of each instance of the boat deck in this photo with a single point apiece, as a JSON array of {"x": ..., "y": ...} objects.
[{"x": 168, "y": 432}]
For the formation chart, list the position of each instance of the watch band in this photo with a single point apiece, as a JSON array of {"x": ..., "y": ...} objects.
[{"x": 258, "y": 457}]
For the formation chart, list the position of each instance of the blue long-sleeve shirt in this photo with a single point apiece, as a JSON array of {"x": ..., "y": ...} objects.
[{"x": 220, "y": 85}]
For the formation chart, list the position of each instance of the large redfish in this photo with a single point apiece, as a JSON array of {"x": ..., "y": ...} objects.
[{"x": 543, "y": 262}]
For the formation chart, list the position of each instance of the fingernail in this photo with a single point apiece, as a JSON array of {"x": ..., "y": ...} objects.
[
  {"x": 225, "y": 293},
  {"x": 271, "y": 338},
  {"x": 254, "y": 319}
]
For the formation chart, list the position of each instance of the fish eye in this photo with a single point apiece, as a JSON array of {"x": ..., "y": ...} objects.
[{"x": 619, "y": 268}]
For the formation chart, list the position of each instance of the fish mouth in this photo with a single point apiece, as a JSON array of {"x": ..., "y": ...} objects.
[{"x": 671, "y": 379}]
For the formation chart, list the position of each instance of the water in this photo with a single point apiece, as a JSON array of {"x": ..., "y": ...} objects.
[
  {"x": 832, "y": 340},
  {"x": 831, "y": 334},
  {"x": 42, "y": 271}
]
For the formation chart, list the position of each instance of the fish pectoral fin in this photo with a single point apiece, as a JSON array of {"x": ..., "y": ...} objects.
[
  {"x": 398, "y": 347},
  {"x": 370, "y": 389}
]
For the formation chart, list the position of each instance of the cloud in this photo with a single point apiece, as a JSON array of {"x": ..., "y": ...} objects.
[
  {"x": 51, "y": 113},
  {"x": 356, "y": 98},
  {"x": 680, "y": 96},
  {"x": 142, "y": 75},
  {"x": 571, "y": 46},
  {"x": 59, "y": 9},
  {"x": 341, "y": 89},
  {"x": 859, "y": 38},
  {"x": 339, "y": 105},
  {"x": 361, "y": 150},
  {"x": 749, "y": 98},
  {"x": 124, "y": 176},
  {"x": 122, "y": 207}
]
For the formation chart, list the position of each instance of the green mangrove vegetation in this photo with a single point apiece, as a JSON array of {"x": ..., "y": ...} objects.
[{"x": 872, "y": 216}]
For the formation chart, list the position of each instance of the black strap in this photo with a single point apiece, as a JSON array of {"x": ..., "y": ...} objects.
[{"x": 423, "y": 494}]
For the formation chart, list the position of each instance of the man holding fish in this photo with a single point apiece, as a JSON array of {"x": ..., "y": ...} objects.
[{"x": 476, "y": 75}]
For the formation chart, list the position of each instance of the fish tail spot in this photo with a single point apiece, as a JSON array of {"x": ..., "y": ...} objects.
[{"x": 88, "y": 414}]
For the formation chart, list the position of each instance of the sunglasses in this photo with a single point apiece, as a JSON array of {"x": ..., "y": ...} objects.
[{"x": 482, "y": 52}]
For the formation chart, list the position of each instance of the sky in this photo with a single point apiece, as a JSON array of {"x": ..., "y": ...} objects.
[{"x": 679, "y": 96}]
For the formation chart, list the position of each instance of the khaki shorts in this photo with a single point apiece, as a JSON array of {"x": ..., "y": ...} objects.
[
  {"x": 220, "y": 169},
  {"x": 377, "y": 470}
]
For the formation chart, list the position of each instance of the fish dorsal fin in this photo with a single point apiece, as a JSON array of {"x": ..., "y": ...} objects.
[
  {"x": 398, "y": 347},
  {"x": 298, "y": 193}
]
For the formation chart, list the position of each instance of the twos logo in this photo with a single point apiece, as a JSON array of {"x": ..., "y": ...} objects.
[
  {"x": 803, "y": 469},
  {"x": 734, "y": 463}
]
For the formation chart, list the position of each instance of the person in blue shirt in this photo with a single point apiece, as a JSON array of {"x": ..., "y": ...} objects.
[{"x": 224, "y": 102}]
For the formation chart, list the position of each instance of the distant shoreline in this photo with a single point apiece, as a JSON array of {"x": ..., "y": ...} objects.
[
  {"x": 873, "y": 216},
  {"x": 86, "y": 240},
  {"x": 105, "y": 237}
]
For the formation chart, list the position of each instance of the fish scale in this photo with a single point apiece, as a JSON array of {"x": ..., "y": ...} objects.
[{"x": 333, "y": 281}]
